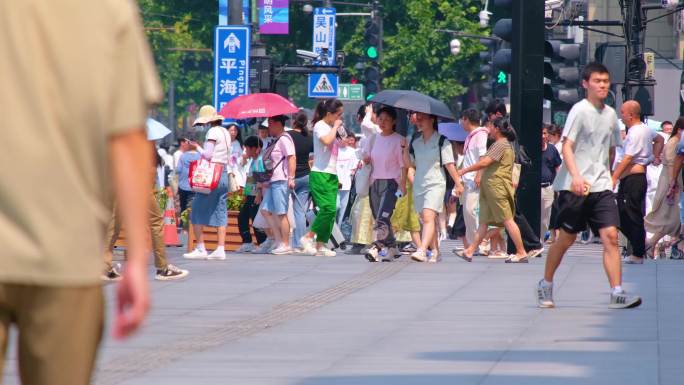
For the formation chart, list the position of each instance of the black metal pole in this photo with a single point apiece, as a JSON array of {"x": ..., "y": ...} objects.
[
  {"x": 527, "y": 99},
  {"x": 235, "y": 12}
]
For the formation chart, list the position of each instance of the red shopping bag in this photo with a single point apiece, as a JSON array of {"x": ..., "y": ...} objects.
[{"x": 204, "y": 176}]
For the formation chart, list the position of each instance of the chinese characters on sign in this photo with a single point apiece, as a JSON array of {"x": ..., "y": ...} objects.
[
  {"x": 324, "y": 34},
  {"x": 274, "y": 17},
  {"x": 231, "y": 64},
  {"x": 323, "y": 85}
]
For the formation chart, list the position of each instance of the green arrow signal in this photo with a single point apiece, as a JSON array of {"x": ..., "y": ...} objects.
[{"x": 501, "y": 78}]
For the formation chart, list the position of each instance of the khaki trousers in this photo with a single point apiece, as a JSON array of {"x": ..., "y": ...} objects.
[
  {"x": 59, "y": 331},
  {"x": 156, "y": 230},
  {"x": 546, "y": 205},
  {"x": 470, "y": 199}
]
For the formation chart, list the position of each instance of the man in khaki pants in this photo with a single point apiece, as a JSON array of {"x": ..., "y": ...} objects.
[
  {"x": 550, "y": 163},
  {"x": 76, "y": 88}
]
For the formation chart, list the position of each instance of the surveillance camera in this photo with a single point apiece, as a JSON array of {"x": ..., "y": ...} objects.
[
  {"x": 307, "y": 8},
  {"x": 309, "y": 55}
]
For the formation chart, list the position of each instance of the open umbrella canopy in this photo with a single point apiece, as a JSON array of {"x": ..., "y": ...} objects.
[
  {"x": 453, "y": 131},
  {"x": 156, "y": 130},
  {"x": 258, "y": 106},
  {"x": 413, "y": 101}
]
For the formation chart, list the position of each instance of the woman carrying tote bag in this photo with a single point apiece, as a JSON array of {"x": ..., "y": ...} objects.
[{"x": 210, "y": 209}]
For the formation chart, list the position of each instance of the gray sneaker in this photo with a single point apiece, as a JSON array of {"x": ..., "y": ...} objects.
[
  {"x": 623, "y": 301},
  {"x": 544, "y": 295}
]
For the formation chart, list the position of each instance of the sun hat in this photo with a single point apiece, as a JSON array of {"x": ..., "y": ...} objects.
[{"x": 207, "y": 114}]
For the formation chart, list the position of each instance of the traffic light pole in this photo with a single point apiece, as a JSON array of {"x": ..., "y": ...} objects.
[{"x": 527, "y": 79}]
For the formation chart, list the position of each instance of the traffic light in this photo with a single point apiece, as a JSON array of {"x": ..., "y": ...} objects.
[
  {"x": 372, "y": 37},
  {"x": 372, "y": 53},
  {"x": 561, "y": 68},
  {"x": 372, "y": 81},
  {"x": 503, "y": 56}
]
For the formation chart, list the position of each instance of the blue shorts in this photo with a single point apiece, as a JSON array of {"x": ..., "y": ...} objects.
[{"x": 276, "y": 198}]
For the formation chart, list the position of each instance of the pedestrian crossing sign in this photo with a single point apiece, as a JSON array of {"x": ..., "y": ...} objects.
[{"x": 323, "y": 85}]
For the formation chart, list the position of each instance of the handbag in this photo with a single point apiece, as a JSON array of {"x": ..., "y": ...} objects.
[
  {"x": 363, "y": 175},
  {"x": 232, "y": 183},
  {"x": 204, "y": 175}
]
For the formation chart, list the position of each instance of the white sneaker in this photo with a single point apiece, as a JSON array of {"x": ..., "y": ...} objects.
[
  {"x": 246, "y": 248},
  {"x": 281, "y": 250},
  {"x": 217, "y": 255},
  {"x": 196, "y": 254},
  {"x": 419, "y": 256},
  {"x": 307, "y": 245},
  {"x": 325, "y": 252},
  {"x": 265, "y": 247}
]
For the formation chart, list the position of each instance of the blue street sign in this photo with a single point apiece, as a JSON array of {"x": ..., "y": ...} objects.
[
  {"x": 231, "y": 64},
  {"x": 323, "y": 85}
]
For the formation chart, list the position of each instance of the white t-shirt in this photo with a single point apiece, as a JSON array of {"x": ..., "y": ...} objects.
[
  {"x": 477, "y": 147},
  {"x": 346, "y": 162},
  {"x": 639, "y": 144},
  {"x": 222, "y": 145},
  {"x": 324, "y": 159},
  {"x": 593, "y": 132}
]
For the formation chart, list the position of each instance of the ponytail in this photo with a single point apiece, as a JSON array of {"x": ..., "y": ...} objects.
[{"x": 324, "y": 107}]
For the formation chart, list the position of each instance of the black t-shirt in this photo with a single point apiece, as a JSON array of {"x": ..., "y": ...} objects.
[
  {"x": 303, "y": 147},
  {"x": 550, "y": 160}
]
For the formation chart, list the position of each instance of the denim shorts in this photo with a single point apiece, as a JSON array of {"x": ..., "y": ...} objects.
[{"x": 276, "y": 198}]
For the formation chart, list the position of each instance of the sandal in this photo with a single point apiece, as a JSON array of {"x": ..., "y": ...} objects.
[
  {"x": 513, "y": 258},
  {"x": 461, "y": 254}
]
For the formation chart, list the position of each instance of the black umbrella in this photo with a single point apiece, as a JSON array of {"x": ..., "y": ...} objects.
[{"x": 413, "y": 101}]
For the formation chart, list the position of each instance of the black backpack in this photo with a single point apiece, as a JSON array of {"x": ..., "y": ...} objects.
[{"x": 442, "y": 139}]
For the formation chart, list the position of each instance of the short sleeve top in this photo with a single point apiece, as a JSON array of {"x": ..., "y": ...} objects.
[
  {"x": 425, "y": 156},
  {"x": 222, "y": 146}
]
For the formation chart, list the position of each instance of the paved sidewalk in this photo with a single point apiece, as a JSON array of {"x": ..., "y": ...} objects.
[{"x": 257, "y": 320}]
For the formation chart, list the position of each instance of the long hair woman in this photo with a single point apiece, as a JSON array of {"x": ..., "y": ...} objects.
[
  {"x": 385, "y": 153},
  {"x": 497, "y": 195},
  {"x": 429, "y": 184},
  {"x": 210, "y": 209},
  {"x": 323, "y": 182}
]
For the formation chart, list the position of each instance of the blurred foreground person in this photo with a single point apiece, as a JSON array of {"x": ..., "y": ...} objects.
[{"x": 84, "y": 104}]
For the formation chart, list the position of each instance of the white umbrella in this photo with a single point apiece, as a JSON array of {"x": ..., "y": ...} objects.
[{"x": 156, "y": 130}]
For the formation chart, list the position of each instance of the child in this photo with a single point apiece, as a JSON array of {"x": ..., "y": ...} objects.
[{"x": 250, "y": 207}]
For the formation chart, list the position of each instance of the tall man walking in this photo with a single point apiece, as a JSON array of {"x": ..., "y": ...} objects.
[
  {"x": 639, "y": 146},
  {"x": 82, "y": 109},
  {"x": 590, "y": 136}
]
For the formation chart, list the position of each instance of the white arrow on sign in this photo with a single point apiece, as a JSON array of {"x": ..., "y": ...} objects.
[{"x": 231, "y": 43}]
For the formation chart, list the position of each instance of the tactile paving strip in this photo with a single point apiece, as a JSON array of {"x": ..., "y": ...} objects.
[{"x": 132, "y": 365}]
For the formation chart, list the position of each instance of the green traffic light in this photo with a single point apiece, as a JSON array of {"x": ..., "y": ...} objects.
[
  {"x": 372, "y": 52},
  {"x": 501, "y": 78},
  {"x": 369, "y": 97}
]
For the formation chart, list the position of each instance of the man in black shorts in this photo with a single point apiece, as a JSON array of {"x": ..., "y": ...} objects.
[{"x": 584, "y": 183}]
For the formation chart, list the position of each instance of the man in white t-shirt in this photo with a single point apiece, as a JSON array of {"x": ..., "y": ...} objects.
[
  {"x": 475, "y": 147},
  {"x": 584, "y": 184},
  {"x": 639, "y": 146}
]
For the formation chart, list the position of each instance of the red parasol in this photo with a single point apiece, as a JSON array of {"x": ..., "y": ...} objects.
[{"x": 257, "y": 106}]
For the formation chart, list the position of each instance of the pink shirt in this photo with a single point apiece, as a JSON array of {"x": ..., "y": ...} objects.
[
  {"x": 284, "y": 148},
  {"x": 386, "y": 156}
]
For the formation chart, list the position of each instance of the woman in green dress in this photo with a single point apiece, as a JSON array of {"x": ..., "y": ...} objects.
[{"x": 497, "y": 203}]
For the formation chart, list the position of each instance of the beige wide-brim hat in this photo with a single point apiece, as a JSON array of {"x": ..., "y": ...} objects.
[{"x": 207, "y": 114}]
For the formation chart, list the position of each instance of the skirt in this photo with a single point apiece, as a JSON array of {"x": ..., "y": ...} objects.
[{"x": 211, "y": 209}]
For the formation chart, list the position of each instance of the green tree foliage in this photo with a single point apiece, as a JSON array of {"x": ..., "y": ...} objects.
[
  {"x": 418, "y": 57},
  {"x": 415, "y": 56}
]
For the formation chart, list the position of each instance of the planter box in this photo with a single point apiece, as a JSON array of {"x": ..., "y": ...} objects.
[{"x": 233, "y": 238}]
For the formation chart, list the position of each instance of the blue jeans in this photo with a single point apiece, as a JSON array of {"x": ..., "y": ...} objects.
[
  {"x": 299, "y": 208},
  {"x": 342, "y": 200},
  {"x": 276, "y": 198}
]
